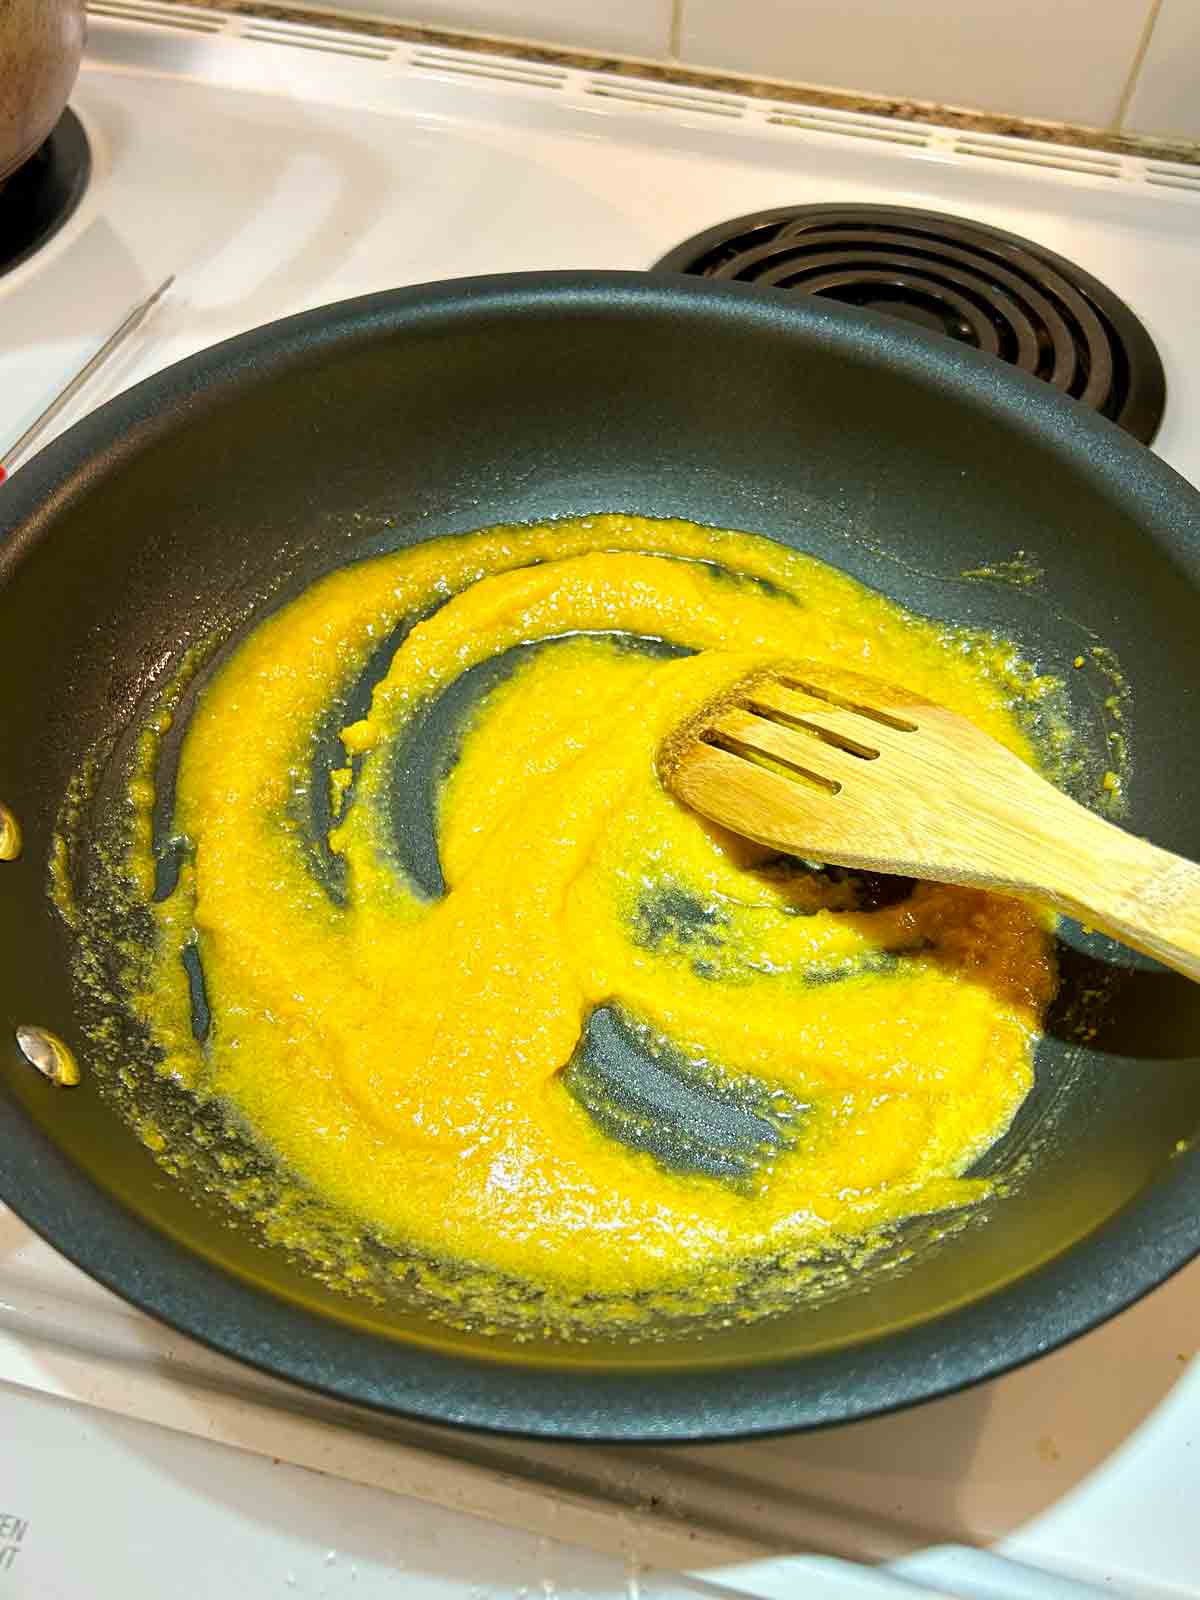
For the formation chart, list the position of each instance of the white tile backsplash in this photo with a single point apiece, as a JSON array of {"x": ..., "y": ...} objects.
[
  {"x": 627, "y": 27},
  {"x": 1166, "y": 95},
  {"x": 1068, "y": 61}
]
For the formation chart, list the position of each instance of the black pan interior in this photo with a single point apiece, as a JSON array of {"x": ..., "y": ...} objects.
[{"x": 230, "y": 480}]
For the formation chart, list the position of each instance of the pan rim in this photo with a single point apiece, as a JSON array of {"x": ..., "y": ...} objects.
[
  {"x": 1129, "y": 1256},
  {"x": 1132, "y": 1252}
]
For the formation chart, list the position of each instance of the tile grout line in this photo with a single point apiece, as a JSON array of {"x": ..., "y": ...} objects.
[
  {"x": 1139, "y": 58},
  {"x": 675, "y": 32}
]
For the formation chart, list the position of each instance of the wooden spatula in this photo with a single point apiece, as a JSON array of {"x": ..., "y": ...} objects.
[{"x": 855, "y": 772}]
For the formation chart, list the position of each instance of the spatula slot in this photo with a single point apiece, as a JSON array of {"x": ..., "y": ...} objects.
[
  {"x": 772, "y": 763},
  {"x": 887, "y": 718},
  {"x": 788, "y": 719}
]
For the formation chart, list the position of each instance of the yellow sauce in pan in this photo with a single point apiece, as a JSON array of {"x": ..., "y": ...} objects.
[{"x": 413, "y": 1055}]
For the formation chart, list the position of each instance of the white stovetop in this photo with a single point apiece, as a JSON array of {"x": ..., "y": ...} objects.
[{"x": 273, "y": 169}]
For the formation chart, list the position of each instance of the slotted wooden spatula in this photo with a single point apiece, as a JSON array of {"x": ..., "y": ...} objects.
[{"x": 855, "y": 772}]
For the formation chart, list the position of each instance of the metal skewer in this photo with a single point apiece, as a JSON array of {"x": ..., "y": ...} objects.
[{"x": 9, "y": 459}]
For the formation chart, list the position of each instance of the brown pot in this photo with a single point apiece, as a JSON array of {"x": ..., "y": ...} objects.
[{"x": 41, "y": 42}]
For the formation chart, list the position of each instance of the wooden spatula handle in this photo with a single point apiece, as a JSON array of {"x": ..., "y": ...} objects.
[{"x": 1144, "y": 896}]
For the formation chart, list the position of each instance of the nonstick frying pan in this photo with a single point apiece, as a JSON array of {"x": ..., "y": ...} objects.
[{"x": 227, "y": 481}]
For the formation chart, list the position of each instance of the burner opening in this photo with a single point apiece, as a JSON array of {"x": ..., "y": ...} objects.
[
  {"x": 994, "y": 291},
  {"x": 43, "y": 193},
  {"x": 909, "y": 304}
]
